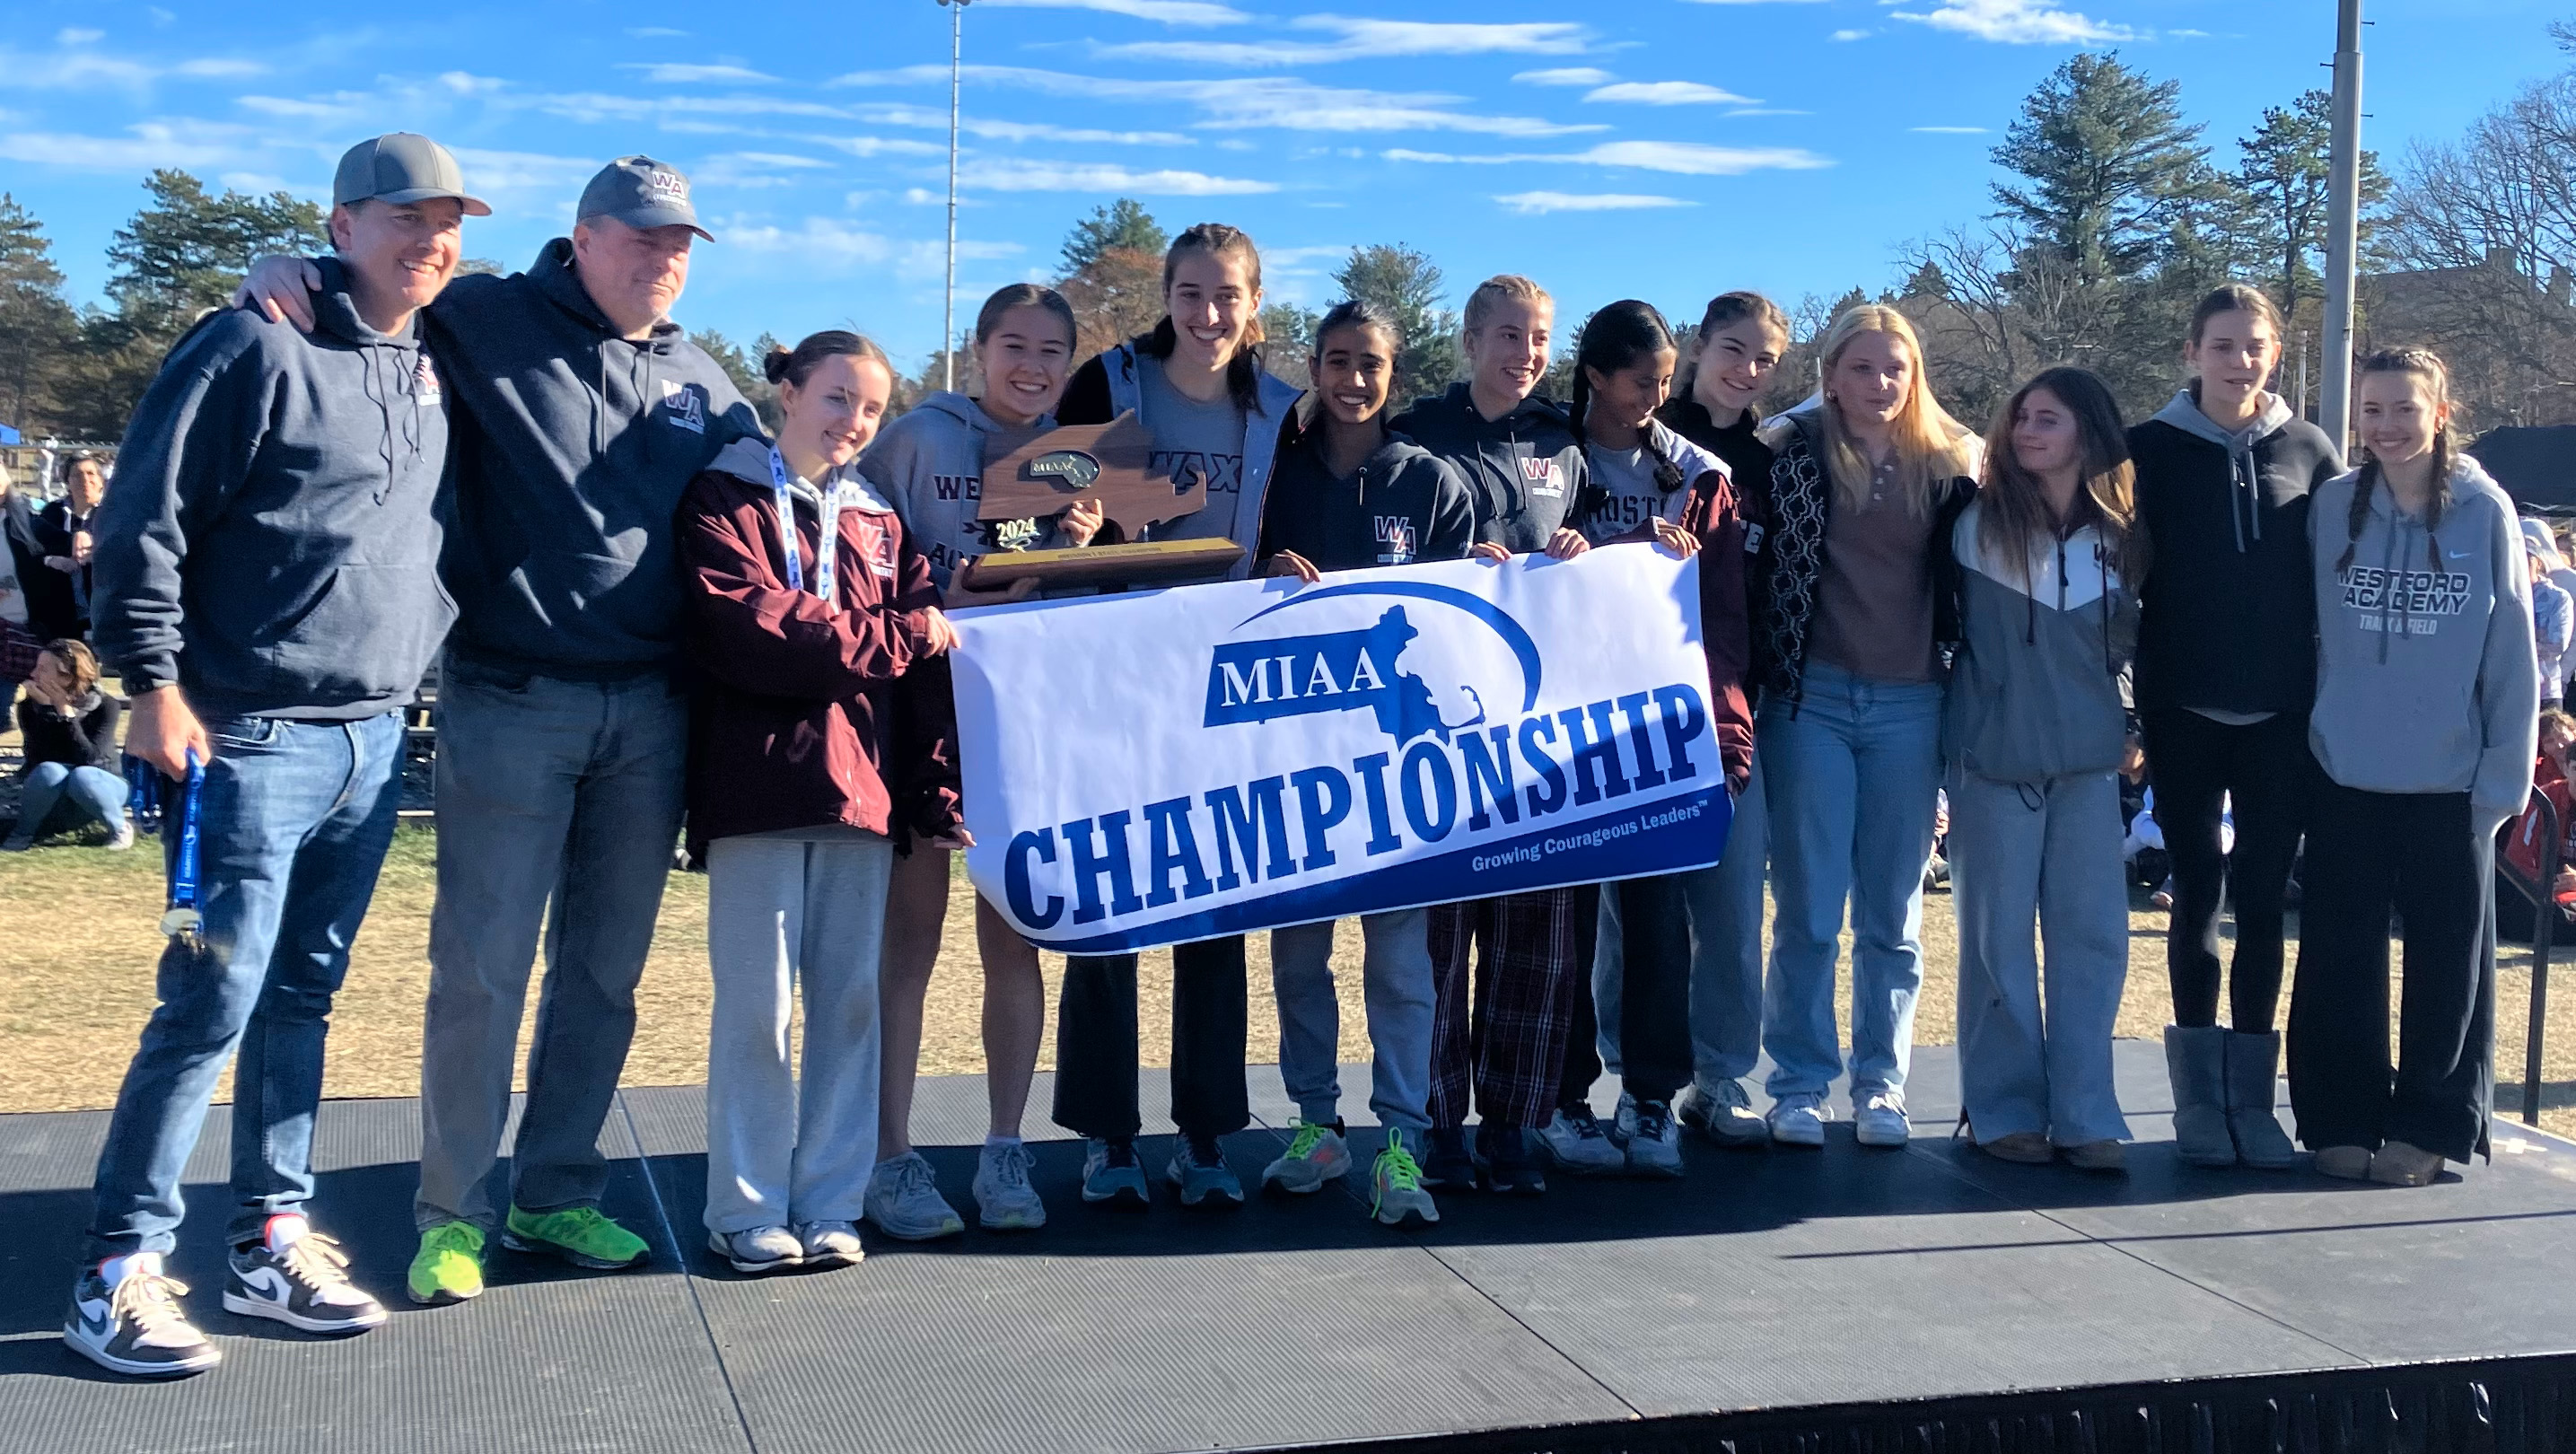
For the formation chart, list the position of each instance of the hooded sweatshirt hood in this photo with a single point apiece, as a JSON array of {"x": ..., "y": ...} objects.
[
  {"x": 2426, "y": 678},
  {"x": 1526, "y": 468},
  {"x": 929, "y": 464},
  {"x": 2245, "y": 494},
  {"x": 1403, "y": 504}
]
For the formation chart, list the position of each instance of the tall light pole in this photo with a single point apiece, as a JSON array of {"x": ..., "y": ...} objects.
[
  {"x": 2343, "y": 202},
  {"x": 948, "y": 309}
]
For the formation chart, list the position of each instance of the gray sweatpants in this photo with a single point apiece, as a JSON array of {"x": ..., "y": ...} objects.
[
  {"x": 1395, "y": 983},
  {"x": 2048, "y": 851},
  {"x": 785, "y": 912},
  {"x": 1726, "y": 953},
  {"x": 558, "y": 807}
]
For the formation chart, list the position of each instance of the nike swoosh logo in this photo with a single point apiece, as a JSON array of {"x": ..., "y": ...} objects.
[
  {"x": 268, "y": 1282},
  {"x": 94, "y": 1324}
]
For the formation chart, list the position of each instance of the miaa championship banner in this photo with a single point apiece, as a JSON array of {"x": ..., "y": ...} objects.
[{"x": 1147, "y": 769}]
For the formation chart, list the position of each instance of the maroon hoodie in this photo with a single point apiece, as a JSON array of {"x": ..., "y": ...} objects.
[{"x": 795, "y": 716}]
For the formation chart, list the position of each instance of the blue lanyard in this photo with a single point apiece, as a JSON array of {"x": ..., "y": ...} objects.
[
  {"x": 827, "y": 534},
  {"x": 183, "y": 919}
]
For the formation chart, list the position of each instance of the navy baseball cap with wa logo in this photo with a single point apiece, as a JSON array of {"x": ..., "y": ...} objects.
[{"x": 641, "y": 192}]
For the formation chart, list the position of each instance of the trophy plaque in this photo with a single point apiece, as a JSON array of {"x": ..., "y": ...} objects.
[{"x": 1037, "y": 476}]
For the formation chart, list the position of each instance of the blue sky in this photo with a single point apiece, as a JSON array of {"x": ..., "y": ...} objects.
[{"x": 1660, "y": 148}]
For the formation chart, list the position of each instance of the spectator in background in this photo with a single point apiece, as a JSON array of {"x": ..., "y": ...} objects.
[
  {"x": 2553, "y": 621},
  {"x": 63, "y": 530},
  {"x": 34, "y": 602},
  {"x": 68, "y": 729}
]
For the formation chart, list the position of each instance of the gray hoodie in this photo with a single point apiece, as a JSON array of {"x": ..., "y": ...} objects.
[
  {"x": 2039, "y": 687},
  {"x": 930, "y": 465},
  {"x": 2426, "y": 680},
  {"x": 272, "y": 541}
]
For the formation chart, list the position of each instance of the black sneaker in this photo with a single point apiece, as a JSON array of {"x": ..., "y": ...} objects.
[
  {"x": 1509, "y": 1167},
  {"x": 1446, "y": 1166},
  {"x": 299, "y": 1280},
  {"x": 138, "y": 1328}
]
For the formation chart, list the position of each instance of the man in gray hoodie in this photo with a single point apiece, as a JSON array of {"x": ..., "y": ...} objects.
[
  {"x": 563, "y": 733},
  {"x": 267, "y": 588}
]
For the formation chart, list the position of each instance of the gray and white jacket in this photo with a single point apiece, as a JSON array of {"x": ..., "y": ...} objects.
[
  {"x": 2039, "y": 688},
  {"x": 2426, "y": 677}
]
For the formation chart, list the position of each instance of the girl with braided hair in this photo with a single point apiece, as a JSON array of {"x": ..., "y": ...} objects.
[{"x": 2425, "y": 723}]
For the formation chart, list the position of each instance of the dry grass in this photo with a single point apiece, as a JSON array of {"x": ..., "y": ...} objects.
[{"x": 78, "y": 944}]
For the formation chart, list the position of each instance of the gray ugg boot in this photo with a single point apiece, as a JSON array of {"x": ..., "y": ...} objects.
[
  {"x": 2195, "y": 1059},
  {"x": 2252, "y": 1062}
]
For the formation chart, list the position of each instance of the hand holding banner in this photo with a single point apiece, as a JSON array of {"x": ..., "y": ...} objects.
[{"x": 1153, "y": 768}]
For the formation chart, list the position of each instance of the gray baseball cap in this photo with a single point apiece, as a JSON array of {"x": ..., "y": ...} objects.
[
  {"x": 641, "y": 192},
  {"x": 401, "y": 166}
]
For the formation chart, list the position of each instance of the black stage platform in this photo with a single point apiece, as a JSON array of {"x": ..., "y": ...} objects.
[{"x": 1856, "y": 1300}]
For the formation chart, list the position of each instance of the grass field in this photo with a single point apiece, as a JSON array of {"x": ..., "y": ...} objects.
[{"x": 78, "y": 944}]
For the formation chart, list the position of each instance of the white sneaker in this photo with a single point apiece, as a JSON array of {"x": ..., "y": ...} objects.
[
  {"x": 758, "y": 1250},
  {"x": 1652, "y": 1136},
  {"x": 1577, "y": 1141},
  {"x": 296, "y": 1276},
  {"x": 1879, "y": 1119},
  {"x": 1004, "y": 1200},
  {"x": 831, "y": 1244},
  {"x": 1723, "y": 1113},
  {"x": 1316, "y": 1154},
  {"x": 903, "y": 1200},
  {"x": 1799, "y": 1120},
  {"x": 136, "y": 1327}
]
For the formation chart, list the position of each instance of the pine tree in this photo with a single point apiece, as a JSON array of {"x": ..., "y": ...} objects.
[
  {"x": 1408, "y": 285},
  {"x": 187, "y": 251},
  {"x": 38, "y": 329},
  {"x": 2284, "y": 172},
  {"x": 1122, "y": 224},
  {"x": 2102, "y": 152}
]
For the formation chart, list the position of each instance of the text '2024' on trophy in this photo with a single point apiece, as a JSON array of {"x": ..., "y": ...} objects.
[{"x": 1042, "y": 475}]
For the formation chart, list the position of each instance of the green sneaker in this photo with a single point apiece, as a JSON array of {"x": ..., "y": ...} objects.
[
  {"x": 449, "y": 1266},
  {"x": 578, "y": 1235}
]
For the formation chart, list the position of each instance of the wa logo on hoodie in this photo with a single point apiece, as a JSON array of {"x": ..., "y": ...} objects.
[
  {"x": 686, "y": 406},
  {"x": 1394, "y": 534},
  {"x": 1542, "y": 475}
]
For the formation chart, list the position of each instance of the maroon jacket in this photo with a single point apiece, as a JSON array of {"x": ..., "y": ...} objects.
[{"x": 794, "y": 720}]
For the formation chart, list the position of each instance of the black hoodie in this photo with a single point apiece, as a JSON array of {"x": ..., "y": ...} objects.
[
  {"x": 573, "y": 445},
  {"x": 2228, "y": 620},
  {"x": 1526, "y": 469},
  {"x": 1404, "y": 504}
]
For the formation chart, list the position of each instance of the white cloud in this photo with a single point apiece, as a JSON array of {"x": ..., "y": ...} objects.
[
  {"x": 655, "y": 32},
  {"x": 159, "y": 15},
  {"x": 1366, "y": 39},
  {"x": 1280, "y": 104},
  {"x": 466, "y": 83},
  {"x": 1169, "y": 12},
  {"x": 690, "y": 75},
  {"x": 1535, "y": 203},
  {"x": 933, "y": 120},
  {"x": 2018, "y": 22},
  {"x": 1011, "y": 175},
  {"x": 881, "y": 146},
  {"x": 72, "y": 36},
  {"x": 1768, "y": 111},
  {"x": 1687, "y": 158},
  {"x": 1566, "y": 76},
  {"x": 196, "y": 145},
  {"x": 218, "y": 68},
  {"x": 829, "y": 245},
  {"x": 522, "y": 171},
  {"x": 1849, "y": 35},
  {"x": 1667, "y": 93}
]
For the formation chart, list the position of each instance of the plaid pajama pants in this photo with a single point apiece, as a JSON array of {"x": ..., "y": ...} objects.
[{"x": 1533, "y": 957}]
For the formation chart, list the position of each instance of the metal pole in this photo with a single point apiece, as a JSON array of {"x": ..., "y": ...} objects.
[
  {"x": 2343, "y": 199},
  {"x": 948, "y": 310}
]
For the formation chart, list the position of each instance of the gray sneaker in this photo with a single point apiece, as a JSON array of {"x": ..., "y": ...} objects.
[
  {"x": 758, "y": 1250},
  {"x": 1723, "y": 1113},
  {"x": 1799, "y": 1120},
  {"x": 1004, "y": 1200},
  {"x": 1113, "y": 1177},
  {"x": 1203, "y": 1177},
  {"x": 1577, "y": 1142},
  {"x": 1315, "y": 1155},
  {"x": 1878, "y": 1119},
  {"x": 903, "y": 1200},
  {"x": 831, "y": 1244},
  {"x": 1652, "y": 1136},
  {"x": 1398, "y": 1199}
]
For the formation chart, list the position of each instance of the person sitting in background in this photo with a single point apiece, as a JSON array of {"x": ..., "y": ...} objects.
[{"x": 68, "y": 728}]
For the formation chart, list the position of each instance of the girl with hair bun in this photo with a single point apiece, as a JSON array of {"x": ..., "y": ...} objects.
[
  {"x": 929, "y": 465},
  {"x": 1648, "y": 484},
  {"x": 2226, "y": 669},
  {"x": 1197, "y": 383},
  {"x": 808, "y": 608},
  {"x": 2426, "y": 719}
]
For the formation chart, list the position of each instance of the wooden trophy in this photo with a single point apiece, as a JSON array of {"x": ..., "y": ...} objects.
[{"x": 1041, "y": 475}]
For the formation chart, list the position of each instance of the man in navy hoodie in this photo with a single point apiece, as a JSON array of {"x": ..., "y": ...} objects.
[
  {"x": 267, "y": 587},
  {"x": 583, "y": 412}
]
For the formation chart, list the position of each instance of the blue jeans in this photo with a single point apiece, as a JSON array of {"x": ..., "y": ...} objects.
[
  {"x": 293, "y": 825},
  {"x": 1832, "y": 843},
  {"x": 1726, "y": 952},
  {"x": 96, "y": 792},
  {"x": 558, "y": 809}
]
